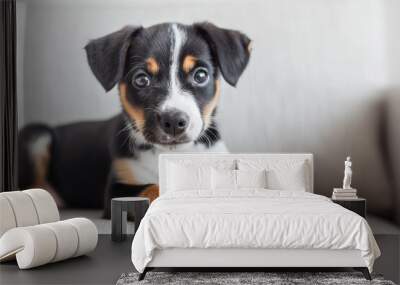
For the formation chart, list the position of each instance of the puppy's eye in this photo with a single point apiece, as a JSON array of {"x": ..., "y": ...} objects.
[
  {"x": 141, "y": 80},
  {"x": 200, "y": 76}
]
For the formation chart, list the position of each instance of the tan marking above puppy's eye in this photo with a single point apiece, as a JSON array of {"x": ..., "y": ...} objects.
[
  {"x": 152, "y": 65},
  {"x": 189, "y": 63}
]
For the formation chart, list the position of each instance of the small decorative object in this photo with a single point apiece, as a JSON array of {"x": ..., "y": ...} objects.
[
  {"x": 347, "y": 192},
  {"x": 347, "y": 173}
]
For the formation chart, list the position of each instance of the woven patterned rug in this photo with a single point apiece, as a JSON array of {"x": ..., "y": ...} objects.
[{"x": 231, "y": 278}]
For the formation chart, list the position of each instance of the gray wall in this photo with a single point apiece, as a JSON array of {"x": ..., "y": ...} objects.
[{"x": 316, "y": 81}]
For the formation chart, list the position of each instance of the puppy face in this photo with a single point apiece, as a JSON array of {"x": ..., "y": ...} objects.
[{"x": 168, "y": 76}]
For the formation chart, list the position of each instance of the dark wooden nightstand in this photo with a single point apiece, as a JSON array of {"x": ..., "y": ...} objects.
[
  {"x": 358, "y": 206},
  {"x": 120, "y": 209}
]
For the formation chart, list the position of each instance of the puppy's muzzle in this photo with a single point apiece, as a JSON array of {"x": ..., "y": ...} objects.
[{"x": 174, "y": 122}]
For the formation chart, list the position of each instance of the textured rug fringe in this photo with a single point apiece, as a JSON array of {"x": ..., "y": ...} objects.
[{"x": 268, "y": 278}]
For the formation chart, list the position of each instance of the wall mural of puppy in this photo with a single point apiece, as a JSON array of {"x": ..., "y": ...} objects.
[{"x": 168, "y": 77}]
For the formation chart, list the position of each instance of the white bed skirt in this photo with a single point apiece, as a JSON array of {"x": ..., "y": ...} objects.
[{"x": 236, "y": 257}]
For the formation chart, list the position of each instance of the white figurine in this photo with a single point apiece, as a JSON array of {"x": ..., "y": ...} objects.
[{"x": 347, "y": 173}]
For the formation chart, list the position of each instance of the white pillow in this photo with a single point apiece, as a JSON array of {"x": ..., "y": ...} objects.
[
  {"x": 223, "y": 179},
  {"x": 188, "y": 177},
  {"x": 287, "y": 179},
  {"x": 226, "y": 179},
  {"x": 282, "y": 174},
  {"x": 251, "y": 178}
]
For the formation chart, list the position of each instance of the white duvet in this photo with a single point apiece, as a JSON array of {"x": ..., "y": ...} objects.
[{"x": 250, "y": 219}]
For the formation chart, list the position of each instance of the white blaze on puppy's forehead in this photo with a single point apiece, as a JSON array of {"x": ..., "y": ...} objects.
[
  {"x": 177, "y": 98},
  {"x": 177, "y": 40}
]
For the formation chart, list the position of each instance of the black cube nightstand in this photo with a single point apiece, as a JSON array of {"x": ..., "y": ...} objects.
[{"x": 358, "y": 206}]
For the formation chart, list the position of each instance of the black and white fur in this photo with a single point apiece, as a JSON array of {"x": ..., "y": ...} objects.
[{"x": 168, "y": 79}]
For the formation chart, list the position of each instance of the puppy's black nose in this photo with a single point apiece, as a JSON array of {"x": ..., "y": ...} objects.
[{"x": 174, "y": 122}]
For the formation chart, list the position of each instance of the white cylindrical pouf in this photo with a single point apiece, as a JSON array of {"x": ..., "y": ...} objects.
[
  {"x": 87, "y": 233},
  {"x": 30, "y": 230},
  {"x": 23, "y": 208},
  {"x": 7, "y": 218},
  {"x": 45, "y": 205},
  {"x": 33, "y": 246},
  {"x": 67, "y": 240},
  {"x": 37, "y": 245}
]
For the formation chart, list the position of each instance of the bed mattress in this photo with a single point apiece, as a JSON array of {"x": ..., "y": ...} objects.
[{"x": 251, "y": 219}]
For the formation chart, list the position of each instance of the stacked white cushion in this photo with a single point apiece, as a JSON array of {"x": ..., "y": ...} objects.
[{"x": 31, "y": 232}]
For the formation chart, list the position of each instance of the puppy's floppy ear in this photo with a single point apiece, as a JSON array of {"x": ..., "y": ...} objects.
[
  {"x": 231, "y": 49},
  {"x": 106, "y": 55}
]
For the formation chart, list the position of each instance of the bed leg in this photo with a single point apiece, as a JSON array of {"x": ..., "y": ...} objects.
[
  {"x": 143, "y": 274},
  {"x": 364, "y": 271}
]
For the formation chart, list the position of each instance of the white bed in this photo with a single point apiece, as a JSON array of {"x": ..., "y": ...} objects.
[{"x": 249, "y": 227}]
